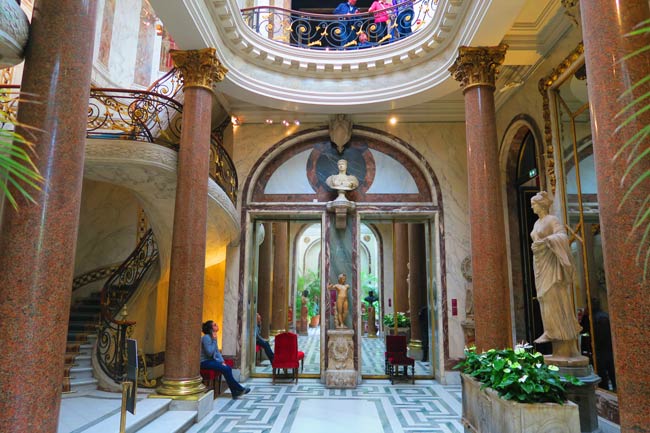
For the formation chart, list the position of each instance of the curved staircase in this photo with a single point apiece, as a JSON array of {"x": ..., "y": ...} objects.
[{"x": 82, "y": 333}]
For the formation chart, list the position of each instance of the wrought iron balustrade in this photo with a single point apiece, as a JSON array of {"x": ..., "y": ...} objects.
[
  {"x": 152, "y": 116},
  {"x": 339, "y": 32},
  {"x": 118, "y": 289}
]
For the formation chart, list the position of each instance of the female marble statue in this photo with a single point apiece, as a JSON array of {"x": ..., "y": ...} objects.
[{"x": 553, "y": 273}]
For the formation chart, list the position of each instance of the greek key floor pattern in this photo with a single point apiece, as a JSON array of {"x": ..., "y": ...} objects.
[
  {"x": 308, "y": 407},
  {"x": 372, "y": 356}
]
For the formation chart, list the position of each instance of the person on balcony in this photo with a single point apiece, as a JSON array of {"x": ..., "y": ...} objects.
[
  {"x": 260, "y": 341},
  {"x": 383, "y": 20},
  {"x": 346, "y": 8},
  {"x": 211, "y": 359}
]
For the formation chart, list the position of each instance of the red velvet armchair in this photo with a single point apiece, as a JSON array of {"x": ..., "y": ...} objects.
[
  {"x": 395, "y": 357},
  {"x": 287, "y": 356}
]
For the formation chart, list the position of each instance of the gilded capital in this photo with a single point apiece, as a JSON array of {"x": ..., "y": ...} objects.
[
  {"x": 478, "y": 66},
  {"x": 199, "y": 68}
]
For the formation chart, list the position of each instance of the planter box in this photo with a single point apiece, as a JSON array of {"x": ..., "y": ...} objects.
[{"x": 485, "y": 412}]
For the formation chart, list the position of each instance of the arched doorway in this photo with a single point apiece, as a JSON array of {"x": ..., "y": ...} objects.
[{"x": 286, "y": 195}]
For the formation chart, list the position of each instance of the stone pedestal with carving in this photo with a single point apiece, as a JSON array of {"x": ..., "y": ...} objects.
[{"x": 340, "y": 354}]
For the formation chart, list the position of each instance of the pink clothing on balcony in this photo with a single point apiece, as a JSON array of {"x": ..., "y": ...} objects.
[{"x": 379, "y": 7}]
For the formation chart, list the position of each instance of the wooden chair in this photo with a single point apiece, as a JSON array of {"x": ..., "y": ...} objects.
[
  {"x": 395, "y": 357},
  {"x": 287, "y": 356},
  {"x": 212, "y": 378}
]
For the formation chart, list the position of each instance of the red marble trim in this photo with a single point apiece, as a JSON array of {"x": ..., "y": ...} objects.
[{"x": 323, "y": 194}]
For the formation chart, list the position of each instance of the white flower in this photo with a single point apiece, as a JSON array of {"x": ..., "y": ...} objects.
[
  {"x": 538, "y": 365},
  {"x": 523, "y": 378}
]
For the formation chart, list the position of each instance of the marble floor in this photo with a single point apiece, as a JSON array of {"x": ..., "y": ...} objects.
[
  {"x": 372, "y": 356},
  {"x": 375, "y": 406}
]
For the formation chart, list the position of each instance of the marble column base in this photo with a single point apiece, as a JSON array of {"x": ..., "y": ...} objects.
[
  {"x": 415, "y": 349},
  {"x": 584, "y": 396},
  {"x": 340, "y": 355},
  {"x": 201, "y": 403}
]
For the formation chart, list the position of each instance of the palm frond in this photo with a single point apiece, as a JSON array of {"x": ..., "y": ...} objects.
[
  {"x": 634, "y": 151},
  {"x": 17, "y": 169}
]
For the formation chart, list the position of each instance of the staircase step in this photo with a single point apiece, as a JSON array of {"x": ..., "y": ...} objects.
[
  {"x": 147, "y": 410},
  {"x": 87, "y": 308},
  {"x": 82, "y": 384},
  {"x": 174, "y": 421},
  {"x": 77, "y": 372},
  {"x": 86, "y": 316}
]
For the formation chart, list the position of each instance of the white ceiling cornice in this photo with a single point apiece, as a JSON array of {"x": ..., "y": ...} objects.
[{"x": 404, "y": 73}]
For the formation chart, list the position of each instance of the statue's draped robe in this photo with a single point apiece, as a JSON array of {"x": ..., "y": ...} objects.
[{"x": 553, "y": 279}]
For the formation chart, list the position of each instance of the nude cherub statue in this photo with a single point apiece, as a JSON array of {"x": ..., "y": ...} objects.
[
  {"x": 341, "y": 300},
  {"x": 342, "y": 181}
]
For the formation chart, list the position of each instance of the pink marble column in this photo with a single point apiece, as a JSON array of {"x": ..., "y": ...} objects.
[
  {"x": 605, "y": 22},
  {"x": 37, "y": 243},
  {"x": 401, "y": 291},
  {"x": 417, "y": 283},
  {"x": 476, "y": 69},
  {"x": 200, "y": 70}
]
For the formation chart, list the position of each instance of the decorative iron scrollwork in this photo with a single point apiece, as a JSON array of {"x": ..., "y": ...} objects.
[{"x": 118, "y": 289}]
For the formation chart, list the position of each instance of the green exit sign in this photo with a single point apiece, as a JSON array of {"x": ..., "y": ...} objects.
[{"x": 532, "y": 172}]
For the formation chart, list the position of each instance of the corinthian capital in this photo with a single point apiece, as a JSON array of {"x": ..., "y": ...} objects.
[
  {"x": 478, "y": 66},
  {"x": 199, "y": 68}
]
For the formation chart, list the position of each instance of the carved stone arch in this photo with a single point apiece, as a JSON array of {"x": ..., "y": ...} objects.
[
  {"x": 314, "y": 148},
  {"x": 429, "y": 199}
]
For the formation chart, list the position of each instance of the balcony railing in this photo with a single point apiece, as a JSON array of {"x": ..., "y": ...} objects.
[
  {"x": 340, "y": 32},
  {"x": 149, "y": 116}
]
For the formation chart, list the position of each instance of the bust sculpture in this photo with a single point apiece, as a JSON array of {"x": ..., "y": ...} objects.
[{"x": 342, "y": 181}]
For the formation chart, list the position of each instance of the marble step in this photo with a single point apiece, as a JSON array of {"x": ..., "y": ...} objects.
[
  {"x": 81, "y": 373},
  {"x": 83, "y": 384},
  {"x": 146, "y": 411},
  {"x": 83, "y": 361},
  {"x": 175, "y": 421}
]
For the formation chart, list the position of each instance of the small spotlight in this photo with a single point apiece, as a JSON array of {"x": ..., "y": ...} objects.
[
  {"x": 296, "y": 122},
  {"x": 393, "y": 120},
  {"x": 285, "y": 123},
  {"x": 235, "y": 121},
  {"x": 269, "y": 121}
]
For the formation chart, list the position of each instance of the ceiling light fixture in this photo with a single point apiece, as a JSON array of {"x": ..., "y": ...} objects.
[{"x": 393, "y": 120}]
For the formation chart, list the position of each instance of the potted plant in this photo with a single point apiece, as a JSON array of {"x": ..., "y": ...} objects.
[
  {"x": 513, "y": 390},
  {"x": 403, "y": 324}
]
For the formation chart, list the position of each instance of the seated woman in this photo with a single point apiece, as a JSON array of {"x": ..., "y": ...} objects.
[{"x": 211, "y": 359}]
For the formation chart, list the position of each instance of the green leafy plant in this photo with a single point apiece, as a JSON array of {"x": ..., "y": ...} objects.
[
  {"x": 517, "y": 374},
  {"x": 16, "y": 166},
  {"x": 309, "y": 281},
  {"x": 403, "y": 321},
  {"x": 634, "y": 149}
]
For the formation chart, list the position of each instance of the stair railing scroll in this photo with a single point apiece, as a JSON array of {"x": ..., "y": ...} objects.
[{"x": 118, "y": 289}]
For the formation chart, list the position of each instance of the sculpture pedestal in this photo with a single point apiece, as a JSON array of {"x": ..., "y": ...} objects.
[
  {"x": 584, "y": 396},
  {"x": 567, "y": 358},
  {"x": 340, "y": 355}
]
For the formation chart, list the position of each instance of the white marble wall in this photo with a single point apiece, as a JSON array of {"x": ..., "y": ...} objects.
[
  {"x": 124, "y": 45},
  {"x": 443, "y": 146},
  {"x": 107, "y": 226}
]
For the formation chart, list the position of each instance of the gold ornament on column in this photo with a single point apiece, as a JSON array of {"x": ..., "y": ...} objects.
[
  {"x": 199, "y": 68},
  {"x": 478, "y": 66}
]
